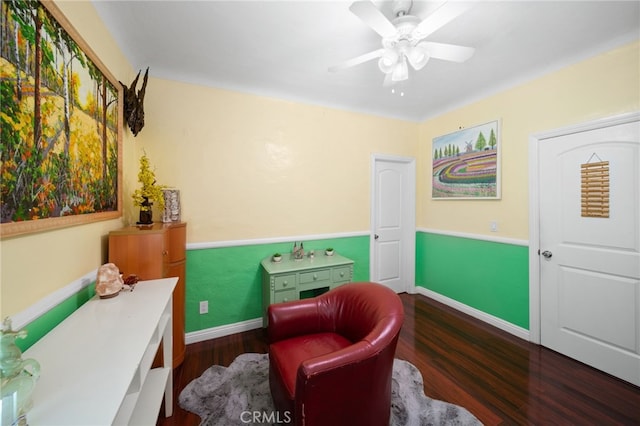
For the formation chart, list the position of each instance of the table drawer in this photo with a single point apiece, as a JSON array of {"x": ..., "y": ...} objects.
[
  {"x": 320, "y": 275},
  {"x": 284, "y": 282},
  {"x": 340, "y": 275},
  {"x": 285, "y": 296}
]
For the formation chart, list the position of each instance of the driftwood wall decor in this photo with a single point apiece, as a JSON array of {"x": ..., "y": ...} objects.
[{"x": 133, "y": 103}]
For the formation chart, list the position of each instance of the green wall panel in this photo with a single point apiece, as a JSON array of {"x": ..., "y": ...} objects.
[
  {"x": 230, "y": 278},
  {"x": 489, "y": 276},
  {"x": 37, "y": 328}
]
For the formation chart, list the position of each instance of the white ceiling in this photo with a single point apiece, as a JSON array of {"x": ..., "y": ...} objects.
[{"x": 283, "y": 48}]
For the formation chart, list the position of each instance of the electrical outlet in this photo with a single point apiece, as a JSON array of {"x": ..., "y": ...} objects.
[
  {"x": 204, "y": 306},
  {"x": 493, "y": 225}
]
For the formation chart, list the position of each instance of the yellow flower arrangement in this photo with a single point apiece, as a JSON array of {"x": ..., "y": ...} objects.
[{"x": 149, "y": 191}]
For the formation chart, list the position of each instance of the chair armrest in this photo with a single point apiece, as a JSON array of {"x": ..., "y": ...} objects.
[
  {"x": 353, "y": 354},
  {"x": 292, "y": 319}
]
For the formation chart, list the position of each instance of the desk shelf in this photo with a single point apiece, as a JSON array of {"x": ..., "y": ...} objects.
[{"x": 96, "y": 364}]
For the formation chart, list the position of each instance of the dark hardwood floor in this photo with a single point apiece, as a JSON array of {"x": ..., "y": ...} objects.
[{"x": 500, "y": 378}]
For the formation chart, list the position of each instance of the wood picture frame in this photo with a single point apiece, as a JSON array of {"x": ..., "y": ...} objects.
[
  {"x": 466, "y": 164},
  {"x": 61, "y": 124}
]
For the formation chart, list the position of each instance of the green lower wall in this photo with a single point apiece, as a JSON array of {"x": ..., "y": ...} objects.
[
  {"x": 230, "y": 278},
  {"x": 489, "y": 276},
  {"x": 37, "y": 328}
]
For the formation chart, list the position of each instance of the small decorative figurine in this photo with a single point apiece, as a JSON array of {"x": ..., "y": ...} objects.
[
  {"x": 298, "y": 252},
  {"x": 18, "y": 377}
]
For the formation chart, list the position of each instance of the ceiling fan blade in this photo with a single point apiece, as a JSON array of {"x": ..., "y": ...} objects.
[
  {"x": 357, "y": 60},
  {"x": 441, "y": 17},
  {"x": 371, "y": 15},
  {"x": 448, "y": 52}
]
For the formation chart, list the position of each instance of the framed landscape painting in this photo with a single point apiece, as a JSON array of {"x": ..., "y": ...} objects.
[
  {"x": 61, "y": 131},
  {"x": 466, "y": 163}
]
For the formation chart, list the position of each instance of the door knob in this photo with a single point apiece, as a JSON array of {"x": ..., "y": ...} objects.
[
  {"x": 547, "y": 254},
  {"x": 376, "y": 236}
]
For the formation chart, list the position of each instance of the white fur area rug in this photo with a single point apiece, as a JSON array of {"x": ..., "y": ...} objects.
[{"x": 240, "y": 395}]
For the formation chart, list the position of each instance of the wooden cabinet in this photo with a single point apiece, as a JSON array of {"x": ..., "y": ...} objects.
[
  {"x": 293, "y": 279},
  {"x": 156, "y": 252}
]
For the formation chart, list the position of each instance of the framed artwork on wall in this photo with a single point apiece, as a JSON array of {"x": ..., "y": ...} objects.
[
  {"x": 466, "y": 163},
  {"x": 61, "y": 126}
]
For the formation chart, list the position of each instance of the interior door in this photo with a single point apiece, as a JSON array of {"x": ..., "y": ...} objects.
[
  {"x": 590, "y": 247},
  {"x": 393, "y": 223}
]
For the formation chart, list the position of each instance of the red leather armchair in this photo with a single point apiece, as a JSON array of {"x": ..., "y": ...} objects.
[{"x": 331, "y": 357}]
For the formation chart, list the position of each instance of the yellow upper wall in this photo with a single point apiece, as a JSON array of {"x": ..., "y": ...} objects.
[
  {"x": 34, "y": 266},
  {"x": 255, "y": 167},
  {"x": 602, "y": 86}
]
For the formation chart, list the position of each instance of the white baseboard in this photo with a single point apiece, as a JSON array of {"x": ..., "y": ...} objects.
[
  {"x": 238, "y": 327},
  {"x": 482, "y": 316},
  {"x": 223, "y": 330}
]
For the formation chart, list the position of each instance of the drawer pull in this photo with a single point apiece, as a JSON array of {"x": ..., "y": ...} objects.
[
  {"x": 315, "y": 276},
  {"x": 285, "y": 283},
  {"x": 286, "y": 299},
  {"x": 342, "y": 274}
]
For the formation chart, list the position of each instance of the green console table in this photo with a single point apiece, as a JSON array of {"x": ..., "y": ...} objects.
[{"x": 292, "y": 279}]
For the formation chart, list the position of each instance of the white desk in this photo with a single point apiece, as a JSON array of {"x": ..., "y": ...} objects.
[
  {"x": 96, "y": 364},
  {"x": 293, "y": 279}
]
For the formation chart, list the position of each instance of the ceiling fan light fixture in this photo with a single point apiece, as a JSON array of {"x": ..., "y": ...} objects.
[
  {"x": 401, "y": 71},
  {"x": 388, "y": 61},
  {"x": 418, "y": 56},
  {"x": 402, "y": 38}
]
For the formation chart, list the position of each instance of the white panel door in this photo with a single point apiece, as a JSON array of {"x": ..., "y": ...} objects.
[
  {"x": 589, "y": 265},
  {"x": 393, "y": 223}
]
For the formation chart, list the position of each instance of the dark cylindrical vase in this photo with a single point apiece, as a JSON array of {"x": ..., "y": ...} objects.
[{"x": 146, "y": 215}]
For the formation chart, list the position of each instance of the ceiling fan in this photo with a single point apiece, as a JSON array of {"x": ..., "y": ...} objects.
[{"x": 403, "y": 38}]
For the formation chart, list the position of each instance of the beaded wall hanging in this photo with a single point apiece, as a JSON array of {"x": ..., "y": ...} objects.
[{"x": 595, "y": 188}]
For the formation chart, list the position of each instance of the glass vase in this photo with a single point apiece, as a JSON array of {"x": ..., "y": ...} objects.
[{"x": 18, "y": 378}]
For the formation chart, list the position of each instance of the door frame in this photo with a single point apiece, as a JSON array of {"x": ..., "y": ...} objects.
[
  {"x": 534, "y": 206},
  {"x": 409, "y": 200}
]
